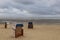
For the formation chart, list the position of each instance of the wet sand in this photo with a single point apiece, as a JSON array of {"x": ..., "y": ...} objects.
[{"x": 40, "y": 32}]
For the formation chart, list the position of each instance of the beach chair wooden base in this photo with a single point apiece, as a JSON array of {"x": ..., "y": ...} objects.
[
  {"x": 18, "y": 32},
  {"x": 30, "y": 26}
]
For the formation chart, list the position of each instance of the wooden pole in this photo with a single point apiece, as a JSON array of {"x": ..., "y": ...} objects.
[{"x": 5, "y": 24}]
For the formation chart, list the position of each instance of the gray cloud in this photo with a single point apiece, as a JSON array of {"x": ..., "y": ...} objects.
[
  {"x": 41, "y": 7},
  {"x": 30, "y": 8}
]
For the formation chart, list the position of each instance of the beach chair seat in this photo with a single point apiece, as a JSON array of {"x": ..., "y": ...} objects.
[
  {"x": 18, "y": 30},
  {"x": 30, "y": 25}
]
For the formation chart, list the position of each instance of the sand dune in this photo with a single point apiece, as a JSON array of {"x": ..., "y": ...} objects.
[{"x": 40, "y": 32}]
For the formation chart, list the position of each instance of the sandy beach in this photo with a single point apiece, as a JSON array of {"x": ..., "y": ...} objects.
[{"x": 39, "y": 32}]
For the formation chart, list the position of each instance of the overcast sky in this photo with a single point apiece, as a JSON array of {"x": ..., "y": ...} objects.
[{"x": 30, "y": 8}]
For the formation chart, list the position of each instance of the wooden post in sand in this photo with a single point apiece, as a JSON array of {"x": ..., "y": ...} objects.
[
  {"x": 19, "y": 30},
  {"x": 30, "y": 25},
  {"x": 5, "y": 24}
]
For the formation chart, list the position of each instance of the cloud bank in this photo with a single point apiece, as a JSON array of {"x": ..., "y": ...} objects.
[{"x": 29, "y": 8}]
